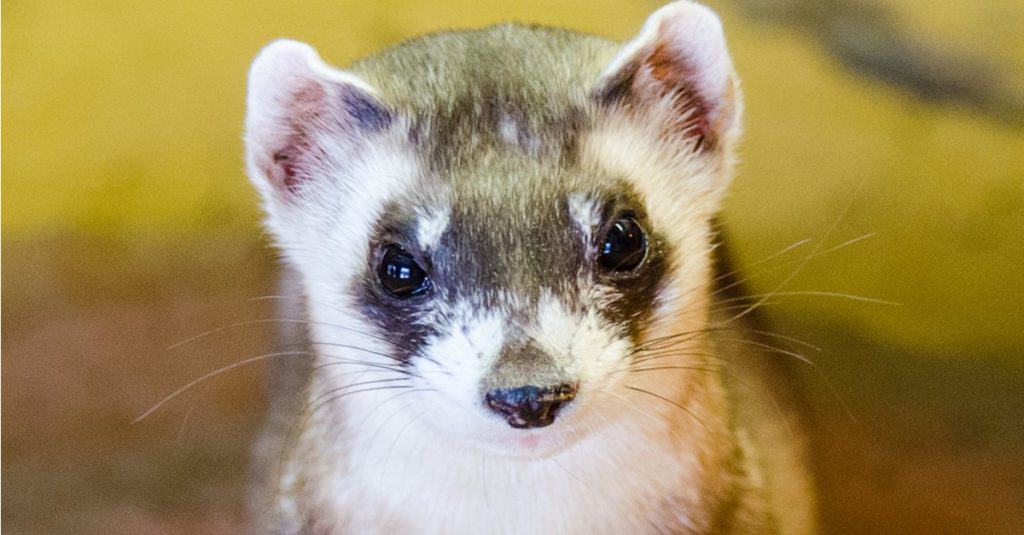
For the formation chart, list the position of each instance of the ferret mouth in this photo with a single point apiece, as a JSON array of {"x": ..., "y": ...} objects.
[
  {"x": 534, "y": 441},
  {"x": 526, "y": 444}
]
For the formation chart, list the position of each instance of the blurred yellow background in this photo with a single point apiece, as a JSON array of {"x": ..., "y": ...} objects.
[{"x": 128, "y": 225}]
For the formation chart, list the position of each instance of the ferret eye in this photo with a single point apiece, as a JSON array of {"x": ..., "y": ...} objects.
[
  {"x": 624, "y": 246},
  {"x": 399, "y": 273}
]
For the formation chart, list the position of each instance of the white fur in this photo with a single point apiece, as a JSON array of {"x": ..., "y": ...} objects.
[
  {"x": 284, "y": 62},
  {"x": 431, "y": 227},
  {"x": 406, "y": 478},
  {"x": 508, "y": 129},
  {"x": 585, "y": 214},
  {"x": 456, "y": 362},
  {"x": 478, "y": 475}
]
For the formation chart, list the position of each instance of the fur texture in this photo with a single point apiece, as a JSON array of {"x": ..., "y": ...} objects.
[{"x": 498, "y": 159}]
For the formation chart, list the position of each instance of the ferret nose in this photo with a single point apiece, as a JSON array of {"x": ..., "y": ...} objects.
[{"x": 530, "y": 406}]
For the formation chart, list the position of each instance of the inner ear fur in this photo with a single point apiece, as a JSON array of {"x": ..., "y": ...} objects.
[
  {"x": 677, "y": 70},
  {"x": 301, "y": 113}
]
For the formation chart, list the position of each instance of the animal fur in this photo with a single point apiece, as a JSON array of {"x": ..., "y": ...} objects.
[{"x": 497, "y": 157}]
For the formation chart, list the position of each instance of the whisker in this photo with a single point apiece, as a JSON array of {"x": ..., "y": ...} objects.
[
  {"x": 632, "y": 405},
  {"x": 800, "y": 266},
  {"x": 391, "y": 450},
  {"x": 260, "y": 321},
  {"x": 768, "y": 258},
  {"x": 750, "y": 275},
  {"x": 773, "y": 349},
  {"x": 396, "y": 412},
  {"x": 781, "y": 337},
  {"x": 338, "y": 397},
  {"x": 705, "y": 357},
  {"x": 567, "y": 471},
  {"x": 393, "y": 368},
  {"x": 673, "y": 403},
  {"x": 355, "y": 348},
  {"x": 654, "y": 368},
  {"x": 386, "y": 401},
  {"x": 211, "y": 332},
  {"x": 716, "y": 327},
  {"x": 483, "y": 479},
  {"x": 671, "y": 351},
  {"x": 812, "y": 293},
  {"x": 386, "y": 355},
  {"x": 655, "y": 342},
  {"x": 185, "y": 419},
  {"x": 213, "y": 374},
  {"x": 333, "y": 391},
  {"x": 272, "y": 297}
]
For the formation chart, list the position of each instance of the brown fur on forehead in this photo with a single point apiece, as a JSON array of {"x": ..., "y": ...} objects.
[
  {"x": 504, "y": 212},
  {"x": 490, "y": 122},
  {"x": 498, "y": 88},
  {"x": 542, "y": 69},
  {"x": 513, "y": 198}
]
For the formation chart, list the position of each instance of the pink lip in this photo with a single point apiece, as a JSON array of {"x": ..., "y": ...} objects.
[{"x": 529, "y": 441}]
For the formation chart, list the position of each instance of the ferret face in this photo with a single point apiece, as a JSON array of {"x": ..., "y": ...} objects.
[
  {"x": 498, "y": 247},
  {"x": 510, "y": 309}
]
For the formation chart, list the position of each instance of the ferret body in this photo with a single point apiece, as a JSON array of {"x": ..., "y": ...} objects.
[{"x": 500, "y": 251}]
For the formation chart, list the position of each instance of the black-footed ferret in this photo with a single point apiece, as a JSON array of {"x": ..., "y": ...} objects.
[{"x": 503, "y": 242}]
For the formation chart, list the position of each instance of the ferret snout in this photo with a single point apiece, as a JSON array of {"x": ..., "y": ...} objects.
[{"x": 530, "y": 406}]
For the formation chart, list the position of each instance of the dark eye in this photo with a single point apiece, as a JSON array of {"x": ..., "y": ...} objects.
[
  {"x": 399, "y": 273},
  {"x": 624, "y": 246}
]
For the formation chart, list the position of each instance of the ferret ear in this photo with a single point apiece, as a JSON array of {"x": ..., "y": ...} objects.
[
  {"x": 303, "y": 118},
  {"x": 677, "y": 73}
]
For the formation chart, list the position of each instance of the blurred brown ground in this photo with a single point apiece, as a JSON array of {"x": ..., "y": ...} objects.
[
  {"x": 92, "y": 326},
  {"x": 128, "y": 227}
]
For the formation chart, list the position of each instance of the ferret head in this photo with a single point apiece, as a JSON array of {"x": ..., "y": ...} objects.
[{"x": 494, "y": 225}]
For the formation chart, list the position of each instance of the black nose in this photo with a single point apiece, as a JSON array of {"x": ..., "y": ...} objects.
[{"x": 530, "y": 406}]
